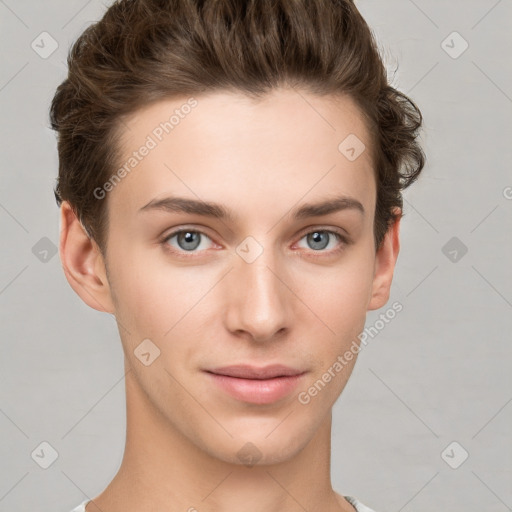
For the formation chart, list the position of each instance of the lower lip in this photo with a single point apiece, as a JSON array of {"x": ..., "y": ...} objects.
[{"x": 257, "y": 391}]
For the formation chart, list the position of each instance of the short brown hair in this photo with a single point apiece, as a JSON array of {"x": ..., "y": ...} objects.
[{"x": 142, "y": 51}]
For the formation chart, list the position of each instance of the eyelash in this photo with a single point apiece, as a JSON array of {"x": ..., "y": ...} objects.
[{"x": 180, "y": 253}]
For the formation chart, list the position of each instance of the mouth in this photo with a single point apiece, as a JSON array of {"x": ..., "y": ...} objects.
[{"x": 256, "y": 385}]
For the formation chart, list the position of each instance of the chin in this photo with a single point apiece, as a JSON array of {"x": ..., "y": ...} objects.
[{"x": 260, "y": 446}]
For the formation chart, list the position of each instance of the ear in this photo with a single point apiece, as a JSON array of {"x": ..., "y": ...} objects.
[
  {"x": 385, "y": 261},
  {"x": 83, "y": 262}
]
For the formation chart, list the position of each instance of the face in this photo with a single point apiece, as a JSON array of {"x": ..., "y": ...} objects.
[{"x": 246, "y": 267}]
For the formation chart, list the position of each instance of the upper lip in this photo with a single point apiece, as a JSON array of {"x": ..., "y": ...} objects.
[{"x": 245, "y": 371}]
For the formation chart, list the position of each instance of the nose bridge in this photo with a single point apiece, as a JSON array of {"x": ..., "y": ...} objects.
[{"x": 257, "y": 299}]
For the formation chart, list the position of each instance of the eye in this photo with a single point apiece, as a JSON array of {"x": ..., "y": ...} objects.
[
  {"x": 320, "y": 239},
  {"x": 187, "y": 240},
  {"x": 192, "y": 241}
]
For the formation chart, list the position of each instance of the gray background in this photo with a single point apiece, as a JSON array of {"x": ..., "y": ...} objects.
[{"x": 438, "y": 373}]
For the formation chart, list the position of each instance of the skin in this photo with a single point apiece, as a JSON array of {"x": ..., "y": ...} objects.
[{"x": 294, "y": 304}]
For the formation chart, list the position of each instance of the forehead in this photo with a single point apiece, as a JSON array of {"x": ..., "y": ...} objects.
[
  {"x": 222, "y": 112},
  {"x": 281, "y": 147}
]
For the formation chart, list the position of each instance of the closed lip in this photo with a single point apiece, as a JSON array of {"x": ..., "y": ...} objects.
[{"x": 245, "y": 371}]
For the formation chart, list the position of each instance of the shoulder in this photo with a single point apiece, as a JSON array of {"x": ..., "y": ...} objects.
[
  {"x": 81, "y": 507},
  {"x": 360, "y": 507}
]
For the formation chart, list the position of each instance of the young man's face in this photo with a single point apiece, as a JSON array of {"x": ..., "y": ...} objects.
[{"x": 253, "y": 289}]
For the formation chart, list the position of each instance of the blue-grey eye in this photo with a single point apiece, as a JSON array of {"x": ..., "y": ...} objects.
[
  {"x": 319, "y": 240},
  {"x": 187, "y": 240}
]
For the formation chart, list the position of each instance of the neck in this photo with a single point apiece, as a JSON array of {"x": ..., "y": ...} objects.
[{"x": 162, "y": 469}]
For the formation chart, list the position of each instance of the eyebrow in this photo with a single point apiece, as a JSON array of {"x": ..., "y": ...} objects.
[{"x": 218, "y": 211}]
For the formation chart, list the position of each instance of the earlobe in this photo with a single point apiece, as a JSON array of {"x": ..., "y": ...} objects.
[
  {"x": 83, "y": 263},
  {"x": 385, "y": 261}
]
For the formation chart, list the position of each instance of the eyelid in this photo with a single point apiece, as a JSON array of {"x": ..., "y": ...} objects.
[
  {"x": 184, "y": 227},
  {"x": 329, "y": 229}
]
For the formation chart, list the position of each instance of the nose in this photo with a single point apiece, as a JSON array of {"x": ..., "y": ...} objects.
[{"x": 257, "y": 298}]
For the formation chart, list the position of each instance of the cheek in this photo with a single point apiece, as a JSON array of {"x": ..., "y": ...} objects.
[
  {"x": 153, "y": 297},
  {"x": 340, "y": 303},
  {"x": 339, "y": 299},
  {"x": 339, "y": 295},
  {"x": 145, "y": 301},
  {"x": 167, "y": 304}
]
